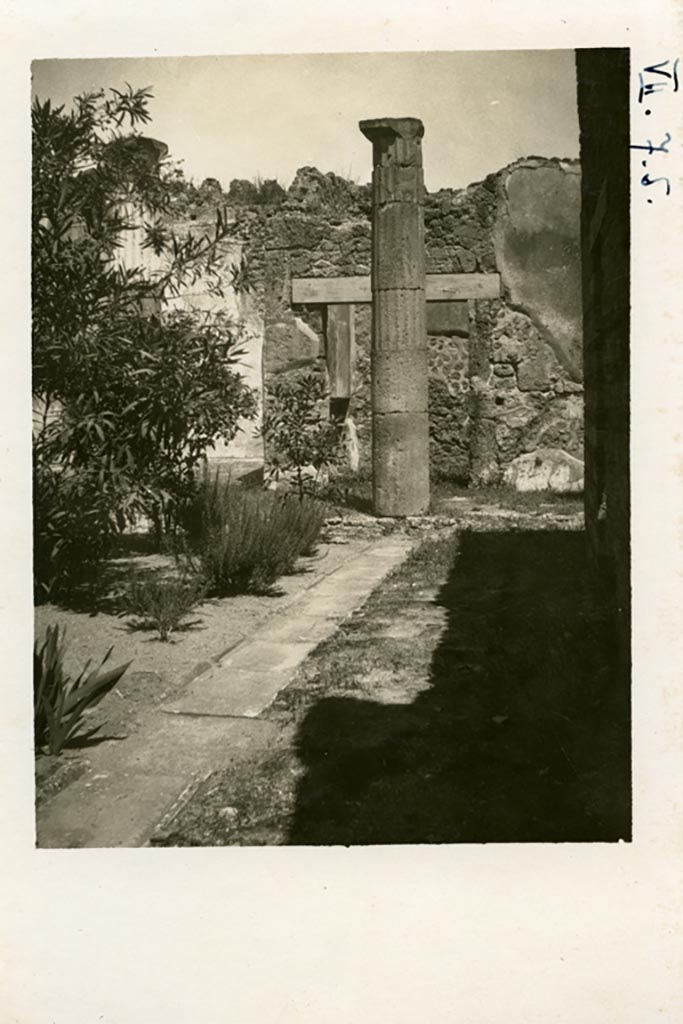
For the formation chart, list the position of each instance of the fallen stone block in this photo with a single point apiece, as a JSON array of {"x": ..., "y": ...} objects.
[{"x": 547, "y": 469}]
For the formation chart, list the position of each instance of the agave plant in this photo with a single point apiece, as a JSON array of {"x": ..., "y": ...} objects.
[{"x": 59, "y": 700}]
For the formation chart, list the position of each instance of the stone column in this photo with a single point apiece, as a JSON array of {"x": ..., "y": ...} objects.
[{"x": 400, "y": 423}]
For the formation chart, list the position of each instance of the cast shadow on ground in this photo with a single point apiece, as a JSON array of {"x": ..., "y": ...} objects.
[
  {"x": 142, "y": 625},
  {"x": 104, "y": 590},
  {"x": 523, "y": 734},
  {"x": 93, "y": 738}
]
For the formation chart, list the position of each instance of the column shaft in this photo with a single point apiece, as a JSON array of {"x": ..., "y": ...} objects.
[{"x": 400, "y": 424}]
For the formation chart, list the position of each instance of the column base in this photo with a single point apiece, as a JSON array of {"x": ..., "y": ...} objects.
[{"x": 400, "y": 459}]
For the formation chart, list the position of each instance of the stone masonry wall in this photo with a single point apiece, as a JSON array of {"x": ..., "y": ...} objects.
[
  {"x": 505, "y": 375},
  {"x": 525, "y": 348}
]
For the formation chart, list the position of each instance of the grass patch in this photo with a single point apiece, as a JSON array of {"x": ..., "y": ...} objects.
[
  {"x": 507, "y": 497},
  {"x": 355, "y": 493}
]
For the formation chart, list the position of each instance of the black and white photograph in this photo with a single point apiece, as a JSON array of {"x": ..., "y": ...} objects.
[
  {"x": 331, "y": 448},
  {"x": 342, "y": 512}
]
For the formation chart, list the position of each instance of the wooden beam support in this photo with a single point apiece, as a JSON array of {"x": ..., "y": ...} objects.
[
  {"x": 450, "y": 287},
  {"x": 339, "y": 344},
  {"x": 322, "y": 291}
]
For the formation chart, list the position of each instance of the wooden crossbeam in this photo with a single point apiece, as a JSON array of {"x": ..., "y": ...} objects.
[
  {"x": 449, "y": 287},
  {"x": 322, "y": 291}
]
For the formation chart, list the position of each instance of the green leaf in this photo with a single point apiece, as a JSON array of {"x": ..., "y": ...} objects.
[{"x": 97, "y": 685}]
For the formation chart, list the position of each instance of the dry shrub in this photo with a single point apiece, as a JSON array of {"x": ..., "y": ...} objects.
[
  {"x": 249, "y": 538},
  {"x": 165, "y": 603}
]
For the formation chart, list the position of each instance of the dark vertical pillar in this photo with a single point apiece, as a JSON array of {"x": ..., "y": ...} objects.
[{"x": 603, "y": 79}]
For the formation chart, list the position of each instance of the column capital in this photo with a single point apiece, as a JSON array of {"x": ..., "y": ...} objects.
[
  {"x": 396, "y": 141},
  {"x": 379, "y": 128}
]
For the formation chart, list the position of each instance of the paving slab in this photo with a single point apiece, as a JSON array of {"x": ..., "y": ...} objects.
[
  {"x": 236, "y": 692},
  {"x": 137, "y": 779},
  {"x": 249, "y": 677},
  {"x": 118, "y": 814},
  {"x": 298, "y": 627}
]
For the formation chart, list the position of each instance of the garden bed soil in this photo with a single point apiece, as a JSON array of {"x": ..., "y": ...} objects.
[{"x": 160, "y": 670}]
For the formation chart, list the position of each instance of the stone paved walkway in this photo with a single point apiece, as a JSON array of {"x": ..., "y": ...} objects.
[{"x": 138, "y": 782}]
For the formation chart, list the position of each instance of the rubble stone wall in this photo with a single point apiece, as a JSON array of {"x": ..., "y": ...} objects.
[{"x": 505, "y": 376}]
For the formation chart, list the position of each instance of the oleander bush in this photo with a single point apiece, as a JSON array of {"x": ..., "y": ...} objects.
[
  {"x": 128, "y": 392},
  {"x": 73, "y": 528}
]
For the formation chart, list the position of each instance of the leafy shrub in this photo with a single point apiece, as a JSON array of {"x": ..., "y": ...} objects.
[
  {"x": 137, "y": 419},
  {"x": 59, "y": 701},
  {"x": 247, "y": 539},
  {"x": 72, "y": 529},
  {"x": 132, "y": 392},
  {"x": 165, "y": 603},
  {"x": 302, "y": 440}
]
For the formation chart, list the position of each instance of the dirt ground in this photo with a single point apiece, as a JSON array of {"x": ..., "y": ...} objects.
[
  {"x": 161, "y": 669},
  {"x": 474, "y": 698}
]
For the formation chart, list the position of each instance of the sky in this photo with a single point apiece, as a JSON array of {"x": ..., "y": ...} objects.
[{"x": 239, "y": 117}]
